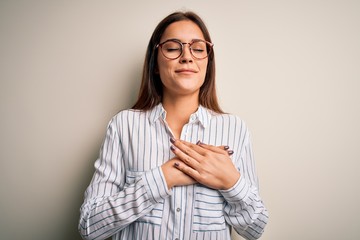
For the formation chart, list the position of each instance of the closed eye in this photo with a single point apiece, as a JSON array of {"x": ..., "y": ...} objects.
[
  {"x": 172, "y": 49},
  {"x": 198, "y": 49}
]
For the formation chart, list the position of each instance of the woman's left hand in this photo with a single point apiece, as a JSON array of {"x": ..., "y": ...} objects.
[{"x": 207, "y": 164}]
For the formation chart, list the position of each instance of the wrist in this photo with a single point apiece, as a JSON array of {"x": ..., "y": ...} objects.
[
  {"x": 169, "y": 180},
  {"x": 231, "y": 181}
]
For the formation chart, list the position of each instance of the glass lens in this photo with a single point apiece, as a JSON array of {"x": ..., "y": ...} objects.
[
  {"x": 199, "y": 49},
  {"x": 171, "y": 49}
]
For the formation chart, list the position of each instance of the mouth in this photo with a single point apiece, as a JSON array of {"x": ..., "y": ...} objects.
[{"x": 186, "y": 71}]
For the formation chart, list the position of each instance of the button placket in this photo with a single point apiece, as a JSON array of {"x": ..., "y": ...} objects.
[{"x": 177, "y": 212}]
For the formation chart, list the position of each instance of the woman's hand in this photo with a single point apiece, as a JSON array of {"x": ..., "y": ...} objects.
[
  {"x": 208, "y": 165},
  {"x": 175, "y": 177}
]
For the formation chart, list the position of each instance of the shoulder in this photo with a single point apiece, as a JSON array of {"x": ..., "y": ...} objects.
[
  {"x": 127, "y": 116},
  {"x": 227, "y": 117},
  {"x": 231, "y": 122},
  {"x": 126, "y": 113}
]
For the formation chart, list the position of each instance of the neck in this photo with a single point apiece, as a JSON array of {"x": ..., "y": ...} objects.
[
  {"x": 181, "y": 106},
  {"x": 178, "y": 111}
]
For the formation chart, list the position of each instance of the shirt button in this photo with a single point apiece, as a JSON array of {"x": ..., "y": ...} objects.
[{"x": 178, "y": 209}]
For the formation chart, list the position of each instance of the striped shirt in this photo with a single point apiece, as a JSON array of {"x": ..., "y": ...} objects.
[{"x": 128, "y": 197}]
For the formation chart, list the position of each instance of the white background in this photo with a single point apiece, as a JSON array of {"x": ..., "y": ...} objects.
[{"x": 290, "y": 69}]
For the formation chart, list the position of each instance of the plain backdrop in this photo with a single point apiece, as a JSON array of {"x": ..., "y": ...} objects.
[{"x": 290, "y": 69}]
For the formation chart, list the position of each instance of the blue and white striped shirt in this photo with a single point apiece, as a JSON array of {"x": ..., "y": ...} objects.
[{"x": 128, "y": 196}]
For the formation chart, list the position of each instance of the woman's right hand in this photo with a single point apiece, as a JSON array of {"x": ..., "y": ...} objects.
[{"x": 175, "y": 177}]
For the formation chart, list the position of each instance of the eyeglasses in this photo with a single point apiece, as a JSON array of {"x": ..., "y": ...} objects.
[{"x": 173, "y": 48}]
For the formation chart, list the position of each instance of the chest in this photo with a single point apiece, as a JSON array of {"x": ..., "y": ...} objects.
[{"x": 147, "y": 145}]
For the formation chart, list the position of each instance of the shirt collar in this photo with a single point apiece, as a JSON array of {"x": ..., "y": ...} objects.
[
  {"x": 202, "y": 114},
  {"x": 156, "y": 113}
]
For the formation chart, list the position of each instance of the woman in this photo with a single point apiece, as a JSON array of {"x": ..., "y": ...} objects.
[{"x": 165, "y": 170}]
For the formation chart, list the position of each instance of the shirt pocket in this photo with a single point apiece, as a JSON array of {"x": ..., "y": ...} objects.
[
  {"x": 208, "y": 210},
  {"x": 155, "y": 215}
]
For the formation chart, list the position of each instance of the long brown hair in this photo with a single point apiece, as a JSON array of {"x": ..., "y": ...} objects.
[{"x": 151, "y": 89}]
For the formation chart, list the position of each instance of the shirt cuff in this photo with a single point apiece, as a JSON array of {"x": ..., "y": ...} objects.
[
  {"x": 155, "y": 185},
  {"x": 239, "y": 192}
]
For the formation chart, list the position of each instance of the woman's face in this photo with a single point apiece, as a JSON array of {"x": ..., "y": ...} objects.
[{"x": 185, "y": 75}]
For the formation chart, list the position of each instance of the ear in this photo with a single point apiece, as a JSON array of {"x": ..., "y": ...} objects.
[{"x": 156, "y": 71}]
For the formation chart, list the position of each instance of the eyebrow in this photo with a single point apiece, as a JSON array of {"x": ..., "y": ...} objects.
[{"x": 176, "y": 39}]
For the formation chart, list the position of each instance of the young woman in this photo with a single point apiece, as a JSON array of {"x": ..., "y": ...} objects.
[{"x": 166, "y": 170}]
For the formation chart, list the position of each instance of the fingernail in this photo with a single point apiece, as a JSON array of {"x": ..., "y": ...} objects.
[
  {"x": 231, "y": 152},
  {"x": 172, "y": 148},
  {"x": 226, "y": 147},
  {"x": 176, "y": 164},
  {"x": 172, "y": 140},
  {"x": 198, "y": 142}
]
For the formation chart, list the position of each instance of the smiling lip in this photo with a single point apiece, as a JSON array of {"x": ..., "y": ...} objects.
[{"x": 185, "y": 70}]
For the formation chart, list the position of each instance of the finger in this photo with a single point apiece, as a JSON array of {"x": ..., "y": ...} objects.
[
  {"x": 217, "y": 149},
  {"x": 224, "y": 147},
  {"x": 187, "y": 170},
  {"x": 188, "y": 160},
  {"x": 227, "y": 149},
  {"x": 202, "y": 147},
  {"x": 195, "y": 147},
  {"x": 188, "y": 149}
]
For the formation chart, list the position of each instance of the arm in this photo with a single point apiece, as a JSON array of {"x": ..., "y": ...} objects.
[
  {"x": 236, "y": 181},
  {"x": 244, "y": 209},
  {"x": 109, "y": 204}
]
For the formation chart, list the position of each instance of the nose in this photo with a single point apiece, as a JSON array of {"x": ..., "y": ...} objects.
[{"x": 186, "y": 54}]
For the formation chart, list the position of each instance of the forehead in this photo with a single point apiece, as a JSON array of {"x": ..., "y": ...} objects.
[{"x": 185, "y": 31}]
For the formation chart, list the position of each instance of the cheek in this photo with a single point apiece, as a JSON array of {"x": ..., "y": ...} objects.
[
  {"x": 163, "y": 72},
  {"x": 166, "y": 72},
  {"x": 203, "y": 68},
  {"x": 162, "y": 66},
  {"x": 203, "y": 65}
]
